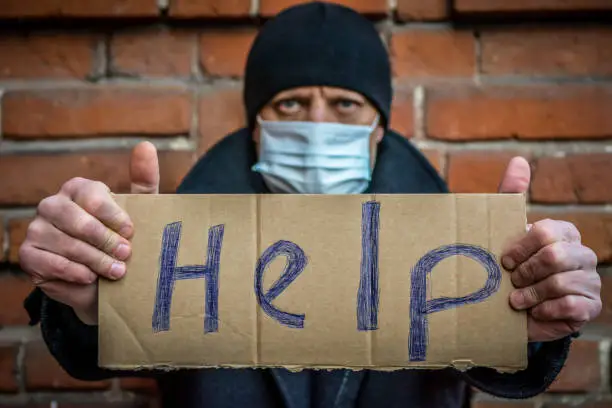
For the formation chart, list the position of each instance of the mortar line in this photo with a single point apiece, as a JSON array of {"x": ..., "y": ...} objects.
[
  {"x": 532, "y": 146},
  {"x": 255, "y": 7},
  {"x": 163, "y": 5},
  {"x": 5, "y": 237},
  {"x": 418, "y": 100},
  {"x": 477, "y": 58},
  {"x": 180, "y": 143},
  {"x": 604, "y": 364},
  {"x": 15, "y": 213},
  {"x": 20, "y": 363},
  {"x": 565, "y": 208},
  {"x": 101, "y": 57}
]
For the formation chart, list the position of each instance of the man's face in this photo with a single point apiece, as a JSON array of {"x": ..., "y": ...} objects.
[{"x": 323, "y": 104}]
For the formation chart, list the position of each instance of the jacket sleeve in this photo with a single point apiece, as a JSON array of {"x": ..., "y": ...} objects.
[
  {"x": 545, "y": 362},
  {"x": 73, "y": 343}
]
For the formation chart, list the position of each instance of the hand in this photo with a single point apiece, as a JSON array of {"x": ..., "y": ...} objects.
[
  {"x": 555, "y": 275},
  {"x": 80, "y": 234}
]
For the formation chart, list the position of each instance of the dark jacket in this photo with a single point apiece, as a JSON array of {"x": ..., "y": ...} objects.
[{"x": 400, "y": 168}]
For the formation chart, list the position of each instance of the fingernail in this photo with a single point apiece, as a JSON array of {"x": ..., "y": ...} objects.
[
  {"x": 126, "y": 231},
  {"x": 508, "y": 262},
  {"x": 518, "y": 299},
  {"x": 117, "y": 270},
  {"x": 122, "y": 252}
]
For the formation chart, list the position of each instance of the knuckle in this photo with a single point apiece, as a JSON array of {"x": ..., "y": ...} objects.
[
  {"x": 591, "y": 259},
  {"x": 48, "y": 206},
  {"x": 109, "y": 241},
  {"x": 553, "y": 254},
  {"x": 569, "y": 305},
  {"x": 74, "y": 248},
  {"x": 533, "y": 295},
  {"x": 25, "y": 253},
  {"x": 60, "y": 266},
  {"x": 571, "y": 231},
  {"x": 36, "y": 230},
  {"x": 543, "y": 232},
  {"x": 558, "y": 284},
  {"x": 104, "y": 264},
  {"x": 87, "y": 226},
  {"x": 93, "y": 202},
  {"x": 527, "y": 272},
  {"x": 597, "y": 307},
  {"x": 72, "y": 185}
]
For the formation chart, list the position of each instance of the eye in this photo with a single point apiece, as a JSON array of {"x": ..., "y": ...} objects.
[
  {"x": 346, "y": 106},
  {"x": 288, "y": 106}
]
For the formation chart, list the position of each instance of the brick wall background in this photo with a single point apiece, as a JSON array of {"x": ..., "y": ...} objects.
[{"x": 83, "y": 81}]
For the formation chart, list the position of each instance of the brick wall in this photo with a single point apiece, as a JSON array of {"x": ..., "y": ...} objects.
[{"x": 74, "y": 99}]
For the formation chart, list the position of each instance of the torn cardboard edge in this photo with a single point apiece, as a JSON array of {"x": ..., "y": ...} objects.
[{"x": 274, "y": 217}]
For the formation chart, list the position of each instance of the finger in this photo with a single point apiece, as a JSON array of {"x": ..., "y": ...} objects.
[
  {"x": 43, "y": 235},
  {"x": 541, "y": 234},
  {"x": 95, "y": 198},
  {"x": 571, "y": 307},
  {"x": 81, "y": 297},
  {"x": 69, "y": 217},
  {"x": 554, "y": 258},
  {"x": 144, "y": 169},
  {"x": 517, "y": 177},
  {"x": 579, "y": 283},
  {"x": 44, "y": 266}
]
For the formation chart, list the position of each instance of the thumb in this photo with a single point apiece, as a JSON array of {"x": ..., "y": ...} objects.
[
  {"x": 144, "y": 169},
  {"x": 517, "y": 177}
]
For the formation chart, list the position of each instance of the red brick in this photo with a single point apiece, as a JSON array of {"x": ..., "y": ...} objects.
[
  {"x": 374, "y": 7},
  {"x": 47, "y": 56},
  {"x": 530, "y": 5},
  {"x": 580, "y": 178},
  {"x": 532, "y": 112},
  {"x": 224, "y": 53},
  {"x": 605, "y": 316},
  {"x": 26, "y": 187},
  {"x": 210, "y": 8},
  {"x": 153, "y": 53},
  {"x": 96, "y": 112},
  {"x": 434, "y": 157},
  {"x": 402, "y": 113},
  {"x": 78, "y": 8},
  {"x": 13, "y": 291},
  {"x": 42, "y": 371},
  {"x": 477, "y": 172},
  {"x": 417, "y": 53},
  {"x": 221, "y": 112},
  {"x": 581, "y": 372},
  {"x": 8, "y": 368},
  {"x": 17, "y": 229},
  {"x": 595, "y": 228},
  {"x": 142, "y": 385},
  {"x": 422, "y": 10},
  {"x": 547, "y": 52}
]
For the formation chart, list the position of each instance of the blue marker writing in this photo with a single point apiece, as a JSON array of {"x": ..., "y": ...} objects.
[
  {"x": 169, "y": 273},
  {"x": 367, "y": 296},
  {"x": 296, "y": 262},
  {"x": 420, "y": 307}
]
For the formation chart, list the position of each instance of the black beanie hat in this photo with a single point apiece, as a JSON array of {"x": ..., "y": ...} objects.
[{"x": 317, "y": 44}]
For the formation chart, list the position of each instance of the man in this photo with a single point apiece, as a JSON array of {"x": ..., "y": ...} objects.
[{"x": 317, "y": 96}]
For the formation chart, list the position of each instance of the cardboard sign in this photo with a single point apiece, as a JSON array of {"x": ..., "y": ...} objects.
[{"x": 357, "y": 281}]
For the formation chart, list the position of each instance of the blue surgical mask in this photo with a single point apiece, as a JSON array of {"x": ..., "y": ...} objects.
[{"x": 315, "y": 157}]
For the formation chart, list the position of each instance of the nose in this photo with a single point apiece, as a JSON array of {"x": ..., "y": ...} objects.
[{"x": 319, "y": 110}]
